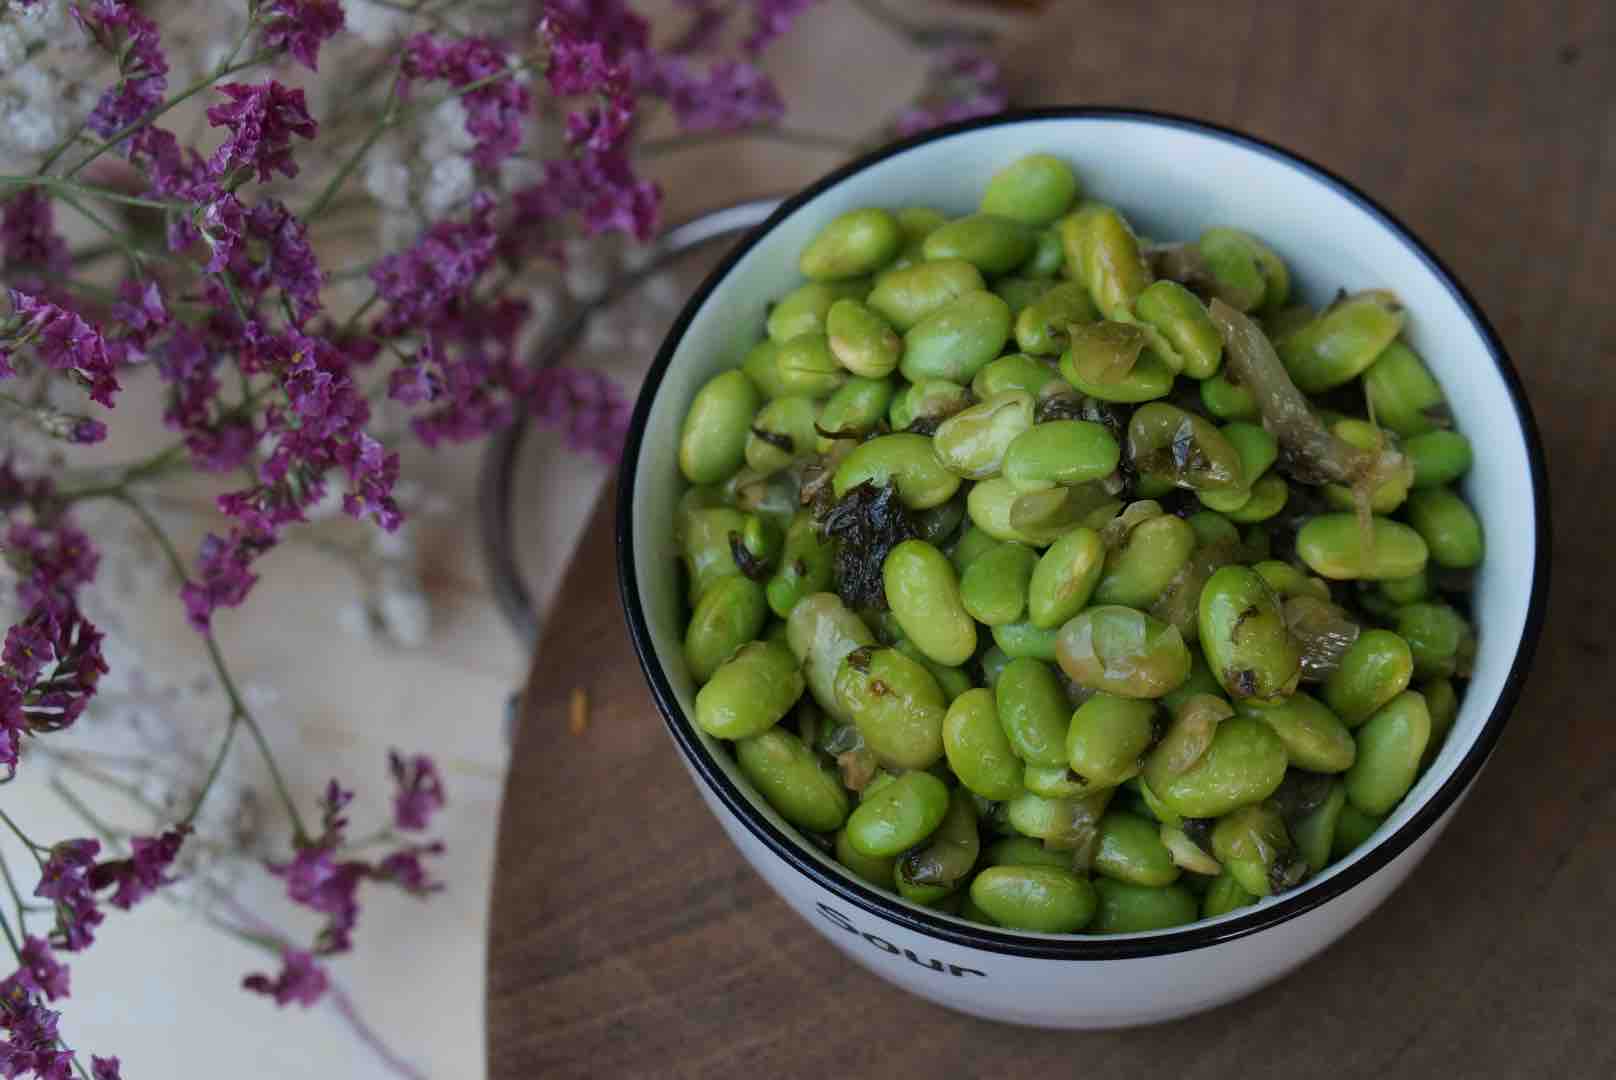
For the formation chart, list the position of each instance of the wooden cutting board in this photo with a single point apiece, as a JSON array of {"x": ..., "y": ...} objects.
[{"x": 629, "y": 938}]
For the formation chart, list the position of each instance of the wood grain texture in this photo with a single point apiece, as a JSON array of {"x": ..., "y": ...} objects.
[{"x": 630, "y": 939}]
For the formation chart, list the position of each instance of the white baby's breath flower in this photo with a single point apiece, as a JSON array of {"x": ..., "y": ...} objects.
[
  {"x": 388, "y": 180},
  {"x": 11, "y": 47},
  {"x": 374, "y": 23},
  {"x": 443, "y": 131},
  {"x": 403, "y": 612},
  {"x": 448, "y": 185}
]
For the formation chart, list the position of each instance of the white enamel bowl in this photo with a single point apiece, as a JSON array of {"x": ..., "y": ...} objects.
[{"x": 1171, "y": 177}]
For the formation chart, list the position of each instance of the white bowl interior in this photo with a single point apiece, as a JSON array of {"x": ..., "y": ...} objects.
[{"x": 1171, "y": 181}]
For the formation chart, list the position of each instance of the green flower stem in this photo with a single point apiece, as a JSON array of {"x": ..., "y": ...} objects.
[
  {"x": 22, "y": 906},
  {"x": 11, "y": 939},
  {"x": 109, "y": 833},
  {"x": 52, "y": 183},
  {"x": 33, "y": 848},
  {"x": 239, "y": 711},
  {"x": 353, "y": 320}
]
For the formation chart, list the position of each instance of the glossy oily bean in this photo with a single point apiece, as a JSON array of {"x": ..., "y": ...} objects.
[
  {"x": 923, "y": 590},
  {"x": 821, "y": 632},
  {"x": 1064, "y": 578},
  {"x": 1249, "y": 275},
  {"x": 989, "y": 504},
  {"x": 1450, "y": 529},
  {"x": 862, "y": 341},
  {"x": 972, "y": 542},
  {"x": 1342, "y": 342},
  {"x": 902, "y": 459},
  {"x": 1034, "y": 190},
  {"x": 1405, "y": 397},
  {"x": 805, "y": 566},
  {"x": 906, "y": 296},
  {"x": 1061, "y": 452},
  {"x": 1439, "y": 639},
  {"x": 877, "y": 870},
  {"x": 852, "y": 412},
  {"x": 728, "y": 615},
  {"x": 1063, "y": 824},
  {"x": 936, "y": 867},
  {"x": 782, "y": 433},
  {"x": 1223, "y": 896},
  {"x": 1374, "y": 670},
  {"x": 1180, "y": 317},
  {"x": 1390, "y": 746},
  {"x": 1186, "y": 852},
  {"x": 1122, "y": 651},
  {"x": 1137, "y": 572},
  {"x": 1018, "y": 292},
  {"x": 750, "y": 692},
  {"x": 854, "y": 243},
  {"x": 1044, "y": 899},
  {"x": 1438, "y": 457},
  {"x": 805, "y": 309},
  {"x": 1125, "y": 908},
  {"x": 1024, "y": 851},
  {"x": 1058, "y": 782},
  {"x": 762, "y": 367},
  {"x": 953, "y": 681},
  {"x": 957, "y": 340},
  {"x": 1164, "y": 440},
  {"x": 1112, "y": 266},
  {"x": 1227, "y": 401},
  {"x": 1043, "y": 326},
  {"x": 1131, "y": 850},
  {"x": 932, "y": 400},
  {"x": 1033, "y": 711},
  {"x": 1048, "y": 514},
  {"x": 899, "y": 815},
  {"x": 1244, "y": 636},
  {"x": 807, "y": 367},
  {"x": 1353, "y": 829},
  {"x": 1332, "y": 545},
  {"x": 1315, "y": 738},
  {"x": 1108, "y": 737},
  {"x": 994, "y": 587},
  {"x": 1254, "y": 847},
  {"x": 705, "y": 546},
  {"x": 1023, "y": 639},
  {"x": 994, "y": 661},
  {"x": 788, "y": 775},
  {"x": 994, "y": 245},
  {"x": 1314, "y": 832},
  {"x": 978, "y": 750},
  {"x": 972, "y": 443},
  {"x": 897, "y": 705},
  {"x": 1017, "y": 371},
  {"x": 1387, "y": 495},
  {"x": 1047, "y": 258},
  {"x": 712, "y": 442},
  {"x": 1244, "y": 765}
]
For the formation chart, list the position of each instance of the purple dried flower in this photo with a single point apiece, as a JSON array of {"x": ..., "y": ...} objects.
[
  {"x": 104, "y": 1068},
  {"x": 262, "y": 120},
  {"x": 586, "y": 405},
  {"x": 421, "y": 282},
  {"x": 301, "y": 980},
  {"x": 174, "y": 173},
  {"x": 732, "y": 95},
  {"x": 772, "y": 19},
  {"x": 494, "y": 111},
  {"x": 225, "y": 577},
  {"x": 67, "y": 343},
  {"x": 301, "y": 27},
  {"x": 372, "y": 473},
  {"x": 601, "y": 188},
  {"x": 318, "y": 882},
  {"x": 140, "y": 313},
  {"x": 222, "y": 223},
  {"x": 602, "y": 126},
  {"x": 594, "y": 44},
  {"x": 67, "y": 872},
  {"x": 403, "y": 868},
  {"x": 134, "y": 39},
  {"x": 414, "y": 384},
  {"x": 143, "y": 873},
  {"x": 27, "y": 651},
  {"x": 38, "y": 973},
  {"x": 420, "y": 790},
  {"x": 32, "y": 1045},
  {"x": 289, "y": 263},
  {"x": 963, "y": 83},
  {"x": 28, "y": 236}
]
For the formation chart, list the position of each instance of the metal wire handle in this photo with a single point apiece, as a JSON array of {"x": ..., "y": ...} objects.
[{"x": 496, "y": 472}]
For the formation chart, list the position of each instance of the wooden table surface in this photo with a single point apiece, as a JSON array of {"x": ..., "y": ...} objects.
[{"x": 630, "y": 939}]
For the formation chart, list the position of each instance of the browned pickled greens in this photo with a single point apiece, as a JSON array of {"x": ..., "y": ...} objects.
[
  {"x": 1105, "y": 352},
  {"x": 1324, "y": 631},
  {"x": 1117, "y": 530},
  {"x": 857, "y": 768},
  {"x": 1185, "y": 264},
  {"x": 1080, "y": 834},
  {"x": 1179, "y": 603},
  {"x": 1189, "y": 735}
]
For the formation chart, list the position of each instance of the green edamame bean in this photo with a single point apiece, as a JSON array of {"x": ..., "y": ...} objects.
[
  {"x": 782, "y": 433},
  {"x": 762, "y": 366},
  {"x": 1044, "y": 899},
  {"x": 1352, "y": 830},
  {"x": 1149, "y": 378},
  {"x": 705, "y": 547},
  {"x": 1059, "y": 782},
  {"x": 1061, "y": 452},
  {"x": 917, "y": 221},
  {"x": 1389, "y": 494},
  {"x": 1255, "y": 848},
  {"x": 1125, "y": 908},
  {"x": 1244, "y": 765},
  {"x": 1258, "y": 449},
  {"x": 1248, "y": 272},
  {"x": 906, "y": 296},
  {"x": 989, "y": 504},
  {"x": 1441, "y": 641},
  {"x": 1180, "y": 317},
  {"x": 994, "y": 245},
  {"x": 1314, "y": 832},
  {"x": 805, "y": 566},
  {"x": 897, "y": 705},
  {"x": 953, "y": 681},
  {"x": 1018, "y": 371},
  {"x": 1042, "y": 327},
  {"x": 1137, "y": 572},
  {"x": 750, "y": 692},
  {"x": 862, "y": 341},
  {"x": 1450, "y": 529},
  {"x": 972, "y": 443},
  {"x": 1112, "y": 265},
  {"x": 728, "y": 615},
  {"x": 994, "y": 586},
  {"x": 1223, "y": 896},
  {"x": 878, "y": 870},
  {"x": 1400, "y": 592},
  {"x": 972, "y": 543},
  {"x": 1227, "y": 401},
  {"x": 854, "y": 243},
  {"x": 1024, "y": 851},
  {"x": 1405, "y": 397},
  {"x": 1438, "y": 458},
  {"x": 1022, "y": 639},
  {"x": 957, "y": 340},
  {"x": 1047, "y": 258},
  {"x": 1034, "y": 190},
  {"x": 994, "y": 662},
  {"x": 1018, "y": 292},
  {"x": 821, "y": 632},
  {"x": 1123, "y": 652},
  {"x": 1315, "y": 738},
  {"x": 924, "y": 594},
  {"x": 1033, "y": 711},
  {"x": 978, "y": 751},
  {"x": 902, "y": 459},
  {"x": 1342, "y": 342},
  {"x": 1244, "y": 636},
  {"x": 1390, "y": 745},
  {"x": 1108, "y": 737},
  {"x": 1167, "y": 441},
  {"x": 930, "y": 399},
  {"x": 1200, "y": 681},
  {"x": 1332, "y": 545},
  {"x": 1442, "y": 703},
  {"x": 1046, "y": 515},
  {"x": 930, "y": 871},
  {"x": 712, "y": 442},
  {"x": 1374, "y": 670},
  {"x": 1186, "y": 853},
  {"x": 807, "y": 367},
  {"x": 1268, "y": 497},
  {"x": 1064, "y": 578},
  {"x": 1287, "y": 581},
  {"x": 852, "y": 412},
  {"x": 805, "y": 309},
  {"x": 1212, "y": 528},
  {"x": 899, "y": 816},
  {"x": 791, "y": 779},
  {"x": 1131, "y": 850}
]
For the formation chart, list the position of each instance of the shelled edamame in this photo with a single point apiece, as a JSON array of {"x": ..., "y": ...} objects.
[{"x": 1069, "y": 581}]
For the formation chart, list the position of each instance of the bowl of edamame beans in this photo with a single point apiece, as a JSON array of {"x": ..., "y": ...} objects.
[{"x": 1083, "y": 558}]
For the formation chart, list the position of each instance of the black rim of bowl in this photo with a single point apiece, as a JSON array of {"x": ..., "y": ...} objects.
[{"x": 793, "y": 851}]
